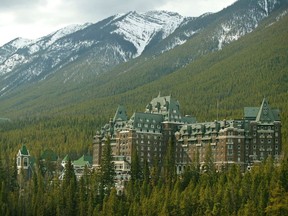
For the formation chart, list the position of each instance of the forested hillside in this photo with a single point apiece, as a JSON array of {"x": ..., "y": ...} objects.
[{"x": 79, "y": 82}]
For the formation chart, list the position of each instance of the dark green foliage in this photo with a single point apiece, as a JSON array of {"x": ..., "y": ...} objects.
[
  {"x": 107, "y": 170},
  {"x": 258, "y": 192},
  {"x": 136, "y": 169},
  {"x": 169, "y": 163},
  {"x": 69, "y": 188}
]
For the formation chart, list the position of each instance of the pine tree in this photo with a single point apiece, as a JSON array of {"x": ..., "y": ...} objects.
[
  {"x": 136, "y": 171},
  {"x": 278, "y": 202},
  {"x": 155, "y": 171},
  {"x": 284, "y": 174},
  {"x": 107, "y": 169},
  {"x": 169, "y": 163},
  {"x": 69, "y": 189}
]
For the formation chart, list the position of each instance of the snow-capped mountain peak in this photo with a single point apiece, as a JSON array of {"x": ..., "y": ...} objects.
[
  {"x": 21, "y": 42},
  {"x": 63, "y": 32},
  {"x": 140, "y": 28}
]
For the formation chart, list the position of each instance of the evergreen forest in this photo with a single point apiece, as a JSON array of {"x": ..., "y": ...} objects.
[{"x": 151, "y": 191}]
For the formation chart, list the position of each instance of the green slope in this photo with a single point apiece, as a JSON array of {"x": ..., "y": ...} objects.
[{"x": 239, "y": 75}]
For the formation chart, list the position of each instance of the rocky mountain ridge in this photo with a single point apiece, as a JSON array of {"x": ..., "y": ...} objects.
[{"x": 123, "y": 37}]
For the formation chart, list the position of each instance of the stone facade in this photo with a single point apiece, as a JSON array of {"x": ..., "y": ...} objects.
[{"x": 241, "y": 141}]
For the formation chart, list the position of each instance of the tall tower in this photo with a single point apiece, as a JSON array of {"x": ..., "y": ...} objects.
[
  {"x": 24, "y": 162},
  {"x": 97, "y": 150}
]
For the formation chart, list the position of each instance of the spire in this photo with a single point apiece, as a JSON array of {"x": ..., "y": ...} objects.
[
  {"x": 265, "y": 113},
  {"x": 120, "y": 114}
]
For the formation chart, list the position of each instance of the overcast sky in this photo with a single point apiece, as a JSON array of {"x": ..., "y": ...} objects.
[{"x": 35, "y": 18}]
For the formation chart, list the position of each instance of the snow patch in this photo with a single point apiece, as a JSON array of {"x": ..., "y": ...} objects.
[
  {"x": 227, "y": 35},
  {"x": 11, "y": 63},
  {"x": 63, "y": 32},
  {"x": 33, "y": 49},
  {"x": 139, "y": 29},
  {"x": 21, "y": 42}
]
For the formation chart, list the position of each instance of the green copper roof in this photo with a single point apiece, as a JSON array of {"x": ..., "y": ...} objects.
[
  {"x": 262, "y": 114},
  {"x": 82, "y": 161},
  {"x": 120, "y": 114},
  {"x": 276, "y": 113},
  {"x": 189, "y": 119},
  {"x": 146, "y": 121},
  {"x": 24, "y": 150},
  {"x": 66, "y": 158},
  {"x": 251, "y": 112},
  {"x": 265, "y": 113}
]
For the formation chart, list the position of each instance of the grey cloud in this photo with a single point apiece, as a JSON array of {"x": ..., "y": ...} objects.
[
  {"x": 18, "y": 4},
  {"x": 111, "y": 7}
]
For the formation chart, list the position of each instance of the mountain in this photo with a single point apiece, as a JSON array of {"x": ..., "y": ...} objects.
[
  {"x": 101, "y": 46},
  {"x": 163, "y": 48},
  {"x": 108, "y": 42}
]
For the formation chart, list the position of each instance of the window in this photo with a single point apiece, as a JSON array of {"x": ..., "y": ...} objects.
[
  {"x": 25, "y": 162},
  {"x": 18, "y": 161}
]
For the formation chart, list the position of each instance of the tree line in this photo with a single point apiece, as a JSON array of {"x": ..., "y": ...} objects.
[{"x": 151, "y": 190}]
